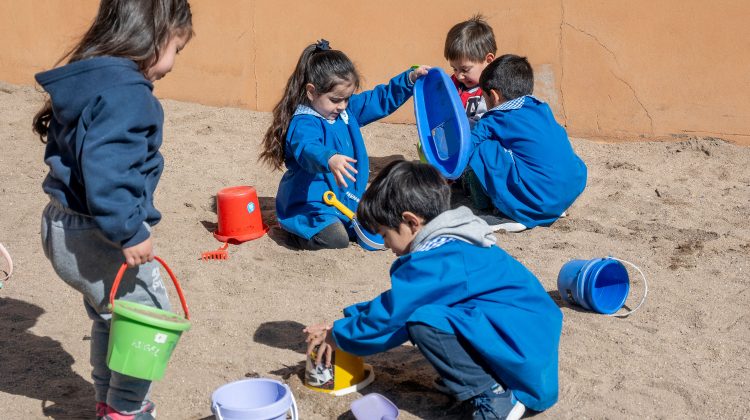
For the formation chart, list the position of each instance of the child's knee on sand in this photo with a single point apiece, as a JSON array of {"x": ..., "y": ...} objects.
[
  {"x": 461, "y": 368},
  {"x": 333, "y": 236}
]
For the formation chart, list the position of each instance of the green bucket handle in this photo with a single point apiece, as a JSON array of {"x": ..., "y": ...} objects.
[{"x": 124, "y": 267}]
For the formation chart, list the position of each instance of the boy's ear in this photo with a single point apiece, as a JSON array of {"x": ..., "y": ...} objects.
[
  {"x": 310, "y": 88},
  {"x": 489, "y": 58},
  {"x": 497, "y": 97},
  {"x": 414, "y": 222}
]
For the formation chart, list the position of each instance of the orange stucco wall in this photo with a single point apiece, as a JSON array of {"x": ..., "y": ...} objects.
[{"x": 623, "y": 70}]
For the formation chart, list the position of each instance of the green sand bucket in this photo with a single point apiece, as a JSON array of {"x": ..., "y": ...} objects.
[{"x": 142, "y": 338}]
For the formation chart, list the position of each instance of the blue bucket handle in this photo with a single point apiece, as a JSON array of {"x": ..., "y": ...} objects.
[{"x": 645, "y": 291}]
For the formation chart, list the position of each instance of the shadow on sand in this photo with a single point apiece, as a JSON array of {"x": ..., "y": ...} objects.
[
  {"x": 38, "y": 367},
  {"x": 403, "y": 375}
]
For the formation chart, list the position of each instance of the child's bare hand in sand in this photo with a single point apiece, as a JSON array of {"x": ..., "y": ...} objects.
[
  {"x": 341, "y": 168},
  {"x": 319, "y": 335}
]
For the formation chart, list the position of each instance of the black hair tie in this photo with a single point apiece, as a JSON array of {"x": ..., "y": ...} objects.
[{"x": 322, "y": 45}]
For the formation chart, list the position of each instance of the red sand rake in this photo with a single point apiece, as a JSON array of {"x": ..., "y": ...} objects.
[{"x": 219, "y": 254}]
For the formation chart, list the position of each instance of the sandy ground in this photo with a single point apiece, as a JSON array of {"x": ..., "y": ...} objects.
[{"x": 677, "y": 209}]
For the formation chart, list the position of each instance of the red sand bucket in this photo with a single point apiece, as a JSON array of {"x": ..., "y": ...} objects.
[{"x": 239, "y": 215}]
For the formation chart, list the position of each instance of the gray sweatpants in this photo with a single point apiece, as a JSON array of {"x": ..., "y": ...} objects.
[{"x": 85, "y": 259}]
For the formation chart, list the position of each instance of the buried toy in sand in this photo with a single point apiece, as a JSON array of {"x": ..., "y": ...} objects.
[{"x": 346, "y": 373}]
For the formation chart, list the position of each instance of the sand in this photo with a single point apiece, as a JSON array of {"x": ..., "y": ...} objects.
[{"x": 677, "y": 209}]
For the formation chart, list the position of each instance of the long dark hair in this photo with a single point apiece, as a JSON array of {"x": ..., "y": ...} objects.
[
  {"x": 318, "y": 65},
  {"x": 134, "y": 29}
]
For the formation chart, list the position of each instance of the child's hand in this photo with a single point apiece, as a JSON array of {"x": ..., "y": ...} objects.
[
  {"x": 341, "y": 167},
  {"x": 418, "y": 72},
  {"x": 320, "y": 336},
  {"x": 139, "y": 254}
]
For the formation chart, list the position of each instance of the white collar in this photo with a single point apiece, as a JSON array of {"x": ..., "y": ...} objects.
[{"x": 306, "y": 110}]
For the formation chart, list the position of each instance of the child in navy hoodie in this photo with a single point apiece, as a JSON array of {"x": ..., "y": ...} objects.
[
  {"x": 103, "y": 129},
  {"x": 482, "y": 319}
]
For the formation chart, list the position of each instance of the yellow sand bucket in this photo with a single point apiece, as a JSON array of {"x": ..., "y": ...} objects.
[{"x": 348, "y": 373}]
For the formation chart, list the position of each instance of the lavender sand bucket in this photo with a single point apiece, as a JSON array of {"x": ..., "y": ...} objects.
[{"x": 253, "y": 399}]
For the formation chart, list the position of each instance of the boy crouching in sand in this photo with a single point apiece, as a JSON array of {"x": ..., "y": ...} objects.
[{"x": 482, "y": 320}]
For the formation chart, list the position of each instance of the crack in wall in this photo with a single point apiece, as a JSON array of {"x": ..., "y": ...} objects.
[
  {"x": 614, "y": 57},
  {"x": 635, "y": 95}
]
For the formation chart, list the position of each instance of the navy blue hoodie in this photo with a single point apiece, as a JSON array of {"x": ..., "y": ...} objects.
[{"x": 103, "y": 145}]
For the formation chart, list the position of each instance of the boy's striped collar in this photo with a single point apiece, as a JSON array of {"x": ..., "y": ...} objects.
[{"x": 514, "y": 103}]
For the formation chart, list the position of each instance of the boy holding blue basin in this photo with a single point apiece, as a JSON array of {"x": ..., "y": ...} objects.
[
  {"x": 523, "y": 171},
  {"x": 482, "y": 319}
]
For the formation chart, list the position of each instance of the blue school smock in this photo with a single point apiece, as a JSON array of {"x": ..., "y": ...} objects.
[
  {"x": 311, "y": 140},
  {"x": 103, "y": 145},
  {"x": 524, "y": 160},
  {"x": 481, "y": 294}
]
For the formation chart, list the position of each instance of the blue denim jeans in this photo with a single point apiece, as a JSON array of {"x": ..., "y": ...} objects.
[
  {"x": 88, "y": 262},
  {"x": 463, "y": 371}
]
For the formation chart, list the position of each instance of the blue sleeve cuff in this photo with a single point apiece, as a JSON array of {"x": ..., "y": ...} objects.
[
  {"x": 409, "y": 83},
  {"x": 141, "y": 235}
]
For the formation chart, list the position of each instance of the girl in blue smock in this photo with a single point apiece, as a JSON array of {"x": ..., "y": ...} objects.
[{"x": 316, "y": 135}]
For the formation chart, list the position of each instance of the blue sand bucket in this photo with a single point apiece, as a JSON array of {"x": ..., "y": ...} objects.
[
  {"x": 374, "y": 407},
  {"x": 600, "y": 284},
  {"x": 253, "y": 399},
  {"x": 366, "y": 239},
  {"x": 442, "y": 124}
]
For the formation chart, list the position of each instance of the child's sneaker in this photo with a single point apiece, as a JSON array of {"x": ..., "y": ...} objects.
[
  {"x": 148, "y": 412},
  {"x": 497, "y": 222},
  {"x": 491, "y": 405},
  {"x": 101, "y": 410}
]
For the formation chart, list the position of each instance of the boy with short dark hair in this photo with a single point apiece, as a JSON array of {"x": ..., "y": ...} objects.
[
  {"x": 523, "y": 164},
  {"x": 479, "y": 317},
  {"x": 469, "y": 47}
]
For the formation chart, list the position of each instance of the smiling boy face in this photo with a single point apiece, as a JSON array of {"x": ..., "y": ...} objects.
[{"x": 467, "y": 71}]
